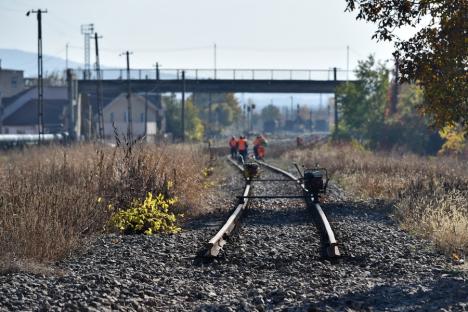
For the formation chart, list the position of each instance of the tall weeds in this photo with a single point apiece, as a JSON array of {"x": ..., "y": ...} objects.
[
  {"x": 53, "y": 197},
  {"x": 429, "y": 194}
]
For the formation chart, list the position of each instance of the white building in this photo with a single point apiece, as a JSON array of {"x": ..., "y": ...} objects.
[{"x": 147, "y": 118}]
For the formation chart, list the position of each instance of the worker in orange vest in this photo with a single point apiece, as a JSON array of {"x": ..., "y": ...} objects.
[
  {"x": 233, "y": 145},
  {"x": 260, "y": 147},
  {"x": 256, "y": 144},
  {"x": 242, "y": 147}
]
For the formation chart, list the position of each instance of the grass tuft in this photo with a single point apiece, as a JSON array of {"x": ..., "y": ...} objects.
[{"x": 429, "y": 193}]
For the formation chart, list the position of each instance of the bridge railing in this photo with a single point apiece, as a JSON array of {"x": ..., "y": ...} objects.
[{"x": 219, "y": 74}]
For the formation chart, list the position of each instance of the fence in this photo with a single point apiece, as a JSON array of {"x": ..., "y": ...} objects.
[{"x": 220, "y": 74}]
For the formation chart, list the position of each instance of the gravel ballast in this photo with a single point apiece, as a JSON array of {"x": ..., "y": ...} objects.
[{"x": 273, "y": 263}]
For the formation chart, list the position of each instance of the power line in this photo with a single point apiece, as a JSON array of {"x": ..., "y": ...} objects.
[{"x": 289, "y": 49}]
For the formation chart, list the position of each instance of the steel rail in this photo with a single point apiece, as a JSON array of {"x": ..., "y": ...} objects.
[
  {"x": 219, "y": 240},
  {"x": 331, "y": 249}
]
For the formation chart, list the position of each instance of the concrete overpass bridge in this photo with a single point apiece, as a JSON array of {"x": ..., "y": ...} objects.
[
  {"x": 215, "y": 80},
  {"x": 113, "y": 82}
]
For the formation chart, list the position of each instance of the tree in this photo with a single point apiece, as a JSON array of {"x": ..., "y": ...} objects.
[
  {"x": 225, "y": 109},
  {"x": 270, "y": 113},
  {"x": 436, "y": 57},
  {"x": 362, "y": 104},
  {"x": 303, "y": 113},
  {"x": 407, "y": 128},
  {"x": 194, "y": 129}
]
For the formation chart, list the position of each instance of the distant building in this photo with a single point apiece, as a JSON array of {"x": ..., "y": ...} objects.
[
  {"x": 20, "y": 111},
  {"x": 116, "y": 115},
  {"x": 20, "y": 116},
  {"x": 11, "y": 82}
]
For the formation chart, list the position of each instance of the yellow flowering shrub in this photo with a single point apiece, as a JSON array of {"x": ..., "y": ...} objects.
[
  {"x": 153, "y": 215},
  {"x": 208, "y": 171}
]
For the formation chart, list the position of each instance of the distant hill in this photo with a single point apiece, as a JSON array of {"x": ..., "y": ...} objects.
[{"x": 27, "y": 61}]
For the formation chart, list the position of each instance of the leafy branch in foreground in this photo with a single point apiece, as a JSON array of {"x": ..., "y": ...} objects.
[{"x": 436, "y": 57}]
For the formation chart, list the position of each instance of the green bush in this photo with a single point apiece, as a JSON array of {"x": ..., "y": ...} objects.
[{"x": 151, "y": 216}]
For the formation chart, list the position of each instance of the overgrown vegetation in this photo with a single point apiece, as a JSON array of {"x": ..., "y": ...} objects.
[
  {"x": 428, "y": 194},
  {"x": 223, "y": 112},
  {"x": 194, "y": 129},
  {"x": 366, "y": 115},
  {"x": 53, "y": 197},
  {"x": 204, "y": 114}
]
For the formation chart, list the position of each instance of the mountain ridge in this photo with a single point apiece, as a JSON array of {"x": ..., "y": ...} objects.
[{"x": 15, "y": 59}]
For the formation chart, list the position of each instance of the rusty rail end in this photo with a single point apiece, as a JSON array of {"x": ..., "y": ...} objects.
[{"x": 332, "y": 251}]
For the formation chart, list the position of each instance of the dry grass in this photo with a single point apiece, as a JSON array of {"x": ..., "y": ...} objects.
[
  {"x": 53, "y": 197},
  {"x": 429, "y": 194}
]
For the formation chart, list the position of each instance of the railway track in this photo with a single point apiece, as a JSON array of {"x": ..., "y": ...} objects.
[
  {"x": 329, "y": 244},
  {"x": 219, "y": 240}
]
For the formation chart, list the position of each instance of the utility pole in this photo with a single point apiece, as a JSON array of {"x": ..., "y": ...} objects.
[
  {"x": 87, "y": 30},
  {"x": 244, "y": 121},
  {"x": 146, "y": 114},
  {"x": 182, "y": 114},
  {"x": 336, "y": 103},
  {"x": 99, "y": 90},
  {"x": 129, "y": 100},
  {"x": 71, "y": 117},
  {"x": 252, "y": 107},
  {"x": 248, "y": 116},
  {"x": 292, "y": 110},
  {"x": 310, "y": 117},
  {"x": 215, "y": 61},
  {"x": 90, "y": 116},
  {"x": 347, "y": 63},
  {"x": 40, "y": 82},
  {"x": 1, "y": 106},
  {"x": 66, "y": 56},
  {"x": 157, "y": 71},
  {"x": 210, "y": 104}
]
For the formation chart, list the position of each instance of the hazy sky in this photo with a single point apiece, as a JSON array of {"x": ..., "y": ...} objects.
[{"x": 309, "y": 34}]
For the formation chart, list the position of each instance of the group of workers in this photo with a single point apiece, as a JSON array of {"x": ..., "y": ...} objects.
[{"x": 240, "y": 146}]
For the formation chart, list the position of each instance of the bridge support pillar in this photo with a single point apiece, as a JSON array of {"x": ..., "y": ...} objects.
[
  {"x": 72, "y": 108},
  {"x": 335, "y": 102}
]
